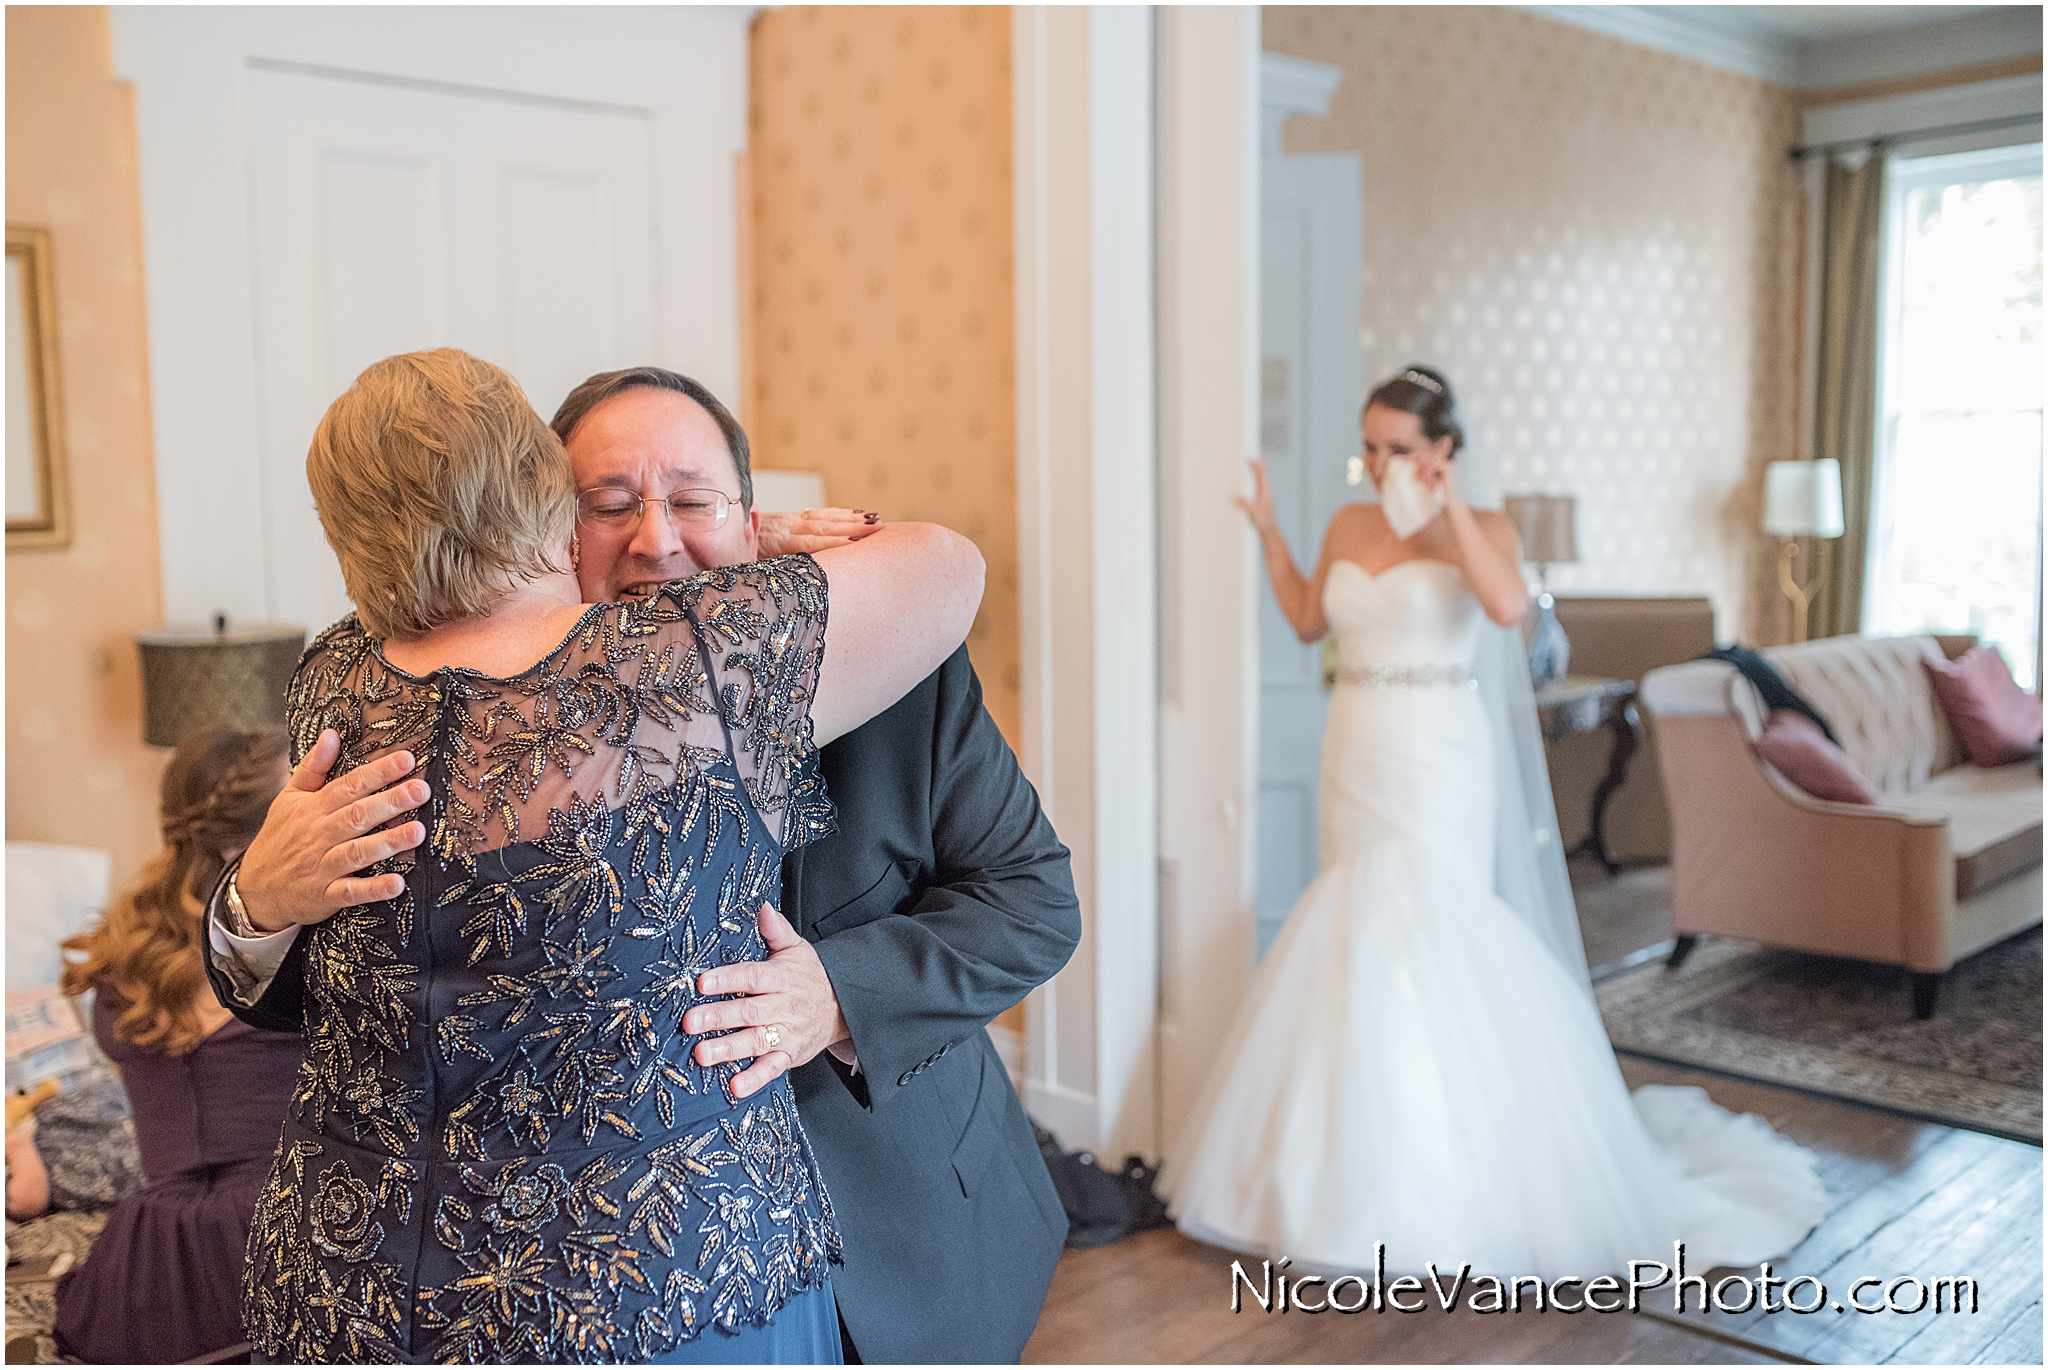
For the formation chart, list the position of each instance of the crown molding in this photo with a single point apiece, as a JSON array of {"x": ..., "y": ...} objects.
[
  {"x": 1659, "y": 27},
  {"x": 1801, "y": 63},
  {"x": 1290, "y": 86},
  {"x": 1296, "y": 85}
]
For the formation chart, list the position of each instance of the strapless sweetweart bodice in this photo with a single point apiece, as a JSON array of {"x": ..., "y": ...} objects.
[
  {"x": 500, "y": 1148},
  {"x": 1415, "y": 613},
  {"x": 1407, "y": 755}
]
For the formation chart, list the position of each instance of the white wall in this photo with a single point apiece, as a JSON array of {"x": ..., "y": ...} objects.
[{"x": 683, "y": 69}]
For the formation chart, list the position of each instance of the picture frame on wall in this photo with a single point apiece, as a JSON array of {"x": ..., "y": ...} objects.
[{"x": 38, "y": 485}]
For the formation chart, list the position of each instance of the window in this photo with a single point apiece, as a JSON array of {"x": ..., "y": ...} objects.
[{"x": 1955, "y": 532}]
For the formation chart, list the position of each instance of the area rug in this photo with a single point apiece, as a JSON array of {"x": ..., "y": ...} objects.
[{"x": 1846, "y": 1028}]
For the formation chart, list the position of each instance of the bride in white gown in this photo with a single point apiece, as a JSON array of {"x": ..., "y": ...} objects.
[{"x": 1414, "y": 1064}]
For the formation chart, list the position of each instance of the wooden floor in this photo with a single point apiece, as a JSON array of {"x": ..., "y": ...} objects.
[
  {"x": 1624, "y": 916},
  {"x": 1907, "y": 1198}
]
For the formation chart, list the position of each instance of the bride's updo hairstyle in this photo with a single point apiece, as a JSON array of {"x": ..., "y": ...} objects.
[
  {"x": 439, "y": 488},
  {"x": 1423, "y": 392}
]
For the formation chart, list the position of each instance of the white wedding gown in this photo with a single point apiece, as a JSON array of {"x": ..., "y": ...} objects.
[{"x": 1413, "y": 1065}]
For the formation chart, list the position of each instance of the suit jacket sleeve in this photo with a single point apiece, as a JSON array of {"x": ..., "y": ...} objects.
[
  {"x": 282, "y": 1005},
  {"x": 998, "y": 918}
]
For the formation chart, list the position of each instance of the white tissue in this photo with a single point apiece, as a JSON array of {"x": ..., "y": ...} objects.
[{"x": 1408, "y": 507}]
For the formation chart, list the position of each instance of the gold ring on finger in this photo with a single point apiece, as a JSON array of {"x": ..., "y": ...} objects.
[{"x": 773, "y": 1035}]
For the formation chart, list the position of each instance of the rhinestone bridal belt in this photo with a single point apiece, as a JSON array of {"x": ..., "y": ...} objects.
[{"x": 1387, "y": 677}]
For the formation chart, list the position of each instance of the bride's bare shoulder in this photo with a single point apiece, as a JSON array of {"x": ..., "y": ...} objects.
[
  {"x": 1499, "y": 527},
  {"x": 1357, "y": 514},
  {"x": 1356, "y": 525}
]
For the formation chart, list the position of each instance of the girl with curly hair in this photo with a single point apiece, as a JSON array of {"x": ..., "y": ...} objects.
[{"x": 164, "y": 1281}]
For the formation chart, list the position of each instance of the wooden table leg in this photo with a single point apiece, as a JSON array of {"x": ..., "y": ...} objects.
[{"x": 1627, "y": 726}]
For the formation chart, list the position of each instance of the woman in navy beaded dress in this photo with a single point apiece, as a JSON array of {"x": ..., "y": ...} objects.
[{"x": 502, "y": 1147}]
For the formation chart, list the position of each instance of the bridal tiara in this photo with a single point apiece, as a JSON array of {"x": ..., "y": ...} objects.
[{"x": 1425, "y": 380}]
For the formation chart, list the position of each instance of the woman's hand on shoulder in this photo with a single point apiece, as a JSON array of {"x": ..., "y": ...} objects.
[
  {"x": 814, "y": 530},
  {"x": 902, "y": 600}
]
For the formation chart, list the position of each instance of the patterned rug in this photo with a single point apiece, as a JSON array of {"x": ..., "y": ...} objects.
[{"x": 1846, "y": 1029}]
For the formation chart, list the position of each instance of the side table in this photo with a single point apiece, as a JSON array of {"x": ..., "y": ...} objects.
[{"x": 1580, "y": 704}]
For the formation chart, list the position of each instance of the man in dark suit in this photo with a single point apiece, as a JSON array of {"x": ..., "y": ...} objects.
[{"x": 943, "y": 899}]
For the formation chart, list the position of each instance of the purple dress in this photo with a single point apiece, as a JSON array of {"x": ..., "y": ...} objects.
[{"x": 164, "y": 1281}]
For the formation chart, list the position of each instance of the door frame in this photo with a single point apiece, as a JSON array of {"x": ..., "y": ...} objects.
[
  {"x": 685, "y": 68},
  {"x": 1136, "y": 220}
]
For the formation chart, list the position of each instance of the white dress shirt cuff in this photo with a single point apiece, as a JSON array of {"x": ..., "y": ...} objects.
[{"x": 250, "y": 963}]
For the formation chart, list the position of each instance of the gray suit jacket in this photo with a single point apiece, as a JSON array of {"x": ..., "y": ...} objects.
[{"x": 943, "y": 899}]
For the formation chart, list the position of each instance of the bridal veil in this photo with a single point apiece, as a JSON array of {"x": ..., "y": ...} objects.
[{"x": 1529, "y": 870}]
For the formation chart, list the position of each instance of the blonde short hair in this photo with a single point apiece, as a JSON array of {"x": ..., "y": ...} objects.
[{"x": 438, "y": 487}]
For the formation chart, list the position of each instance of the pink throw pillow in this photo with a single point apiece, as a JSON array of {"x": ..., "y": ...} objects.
[
  {"x": 1803, "y": 755},
  {"x": 1994, "y": 720}
]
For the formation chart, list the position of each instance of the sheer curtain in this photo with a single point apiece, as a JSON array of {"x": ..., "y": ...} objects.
[{"x": 1955, "y": 522}]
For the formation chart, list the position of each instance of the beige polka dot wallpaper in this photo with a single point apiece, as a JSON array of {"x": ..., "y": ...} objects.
[
  {"x": 1599, "y": 244},
  {"x": 77, "y": 770},
  {"x": 880, "y": 239}
]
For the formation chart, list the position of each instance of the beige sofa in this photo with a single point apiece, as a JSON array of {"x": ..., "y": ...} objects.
[{"x": 1948, "y": 863}]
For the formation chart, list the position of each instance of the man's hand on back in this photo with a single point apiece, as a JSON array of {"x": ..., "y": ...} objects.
[
  {"x": 789, "y": 992},
  {"x": 813, "y": 530},
  {"x": 301, "y": 867}
]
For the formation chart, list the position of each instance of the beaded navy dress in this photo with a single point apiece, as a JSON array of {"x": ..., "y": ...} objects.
[{"x": 499, "y": 1148}]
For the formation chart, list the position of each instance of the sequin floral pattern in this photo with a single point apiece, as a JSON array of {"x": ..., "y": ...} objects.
[{"x": 499, "y": 1148}]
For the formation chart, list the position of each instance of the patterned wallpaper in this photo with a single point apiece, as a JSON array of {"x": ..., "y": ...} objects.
[
  {"x": 1599, "y": 243},
  {"x": 77, "y": 769},
  {"x": 881, "y": 332}
]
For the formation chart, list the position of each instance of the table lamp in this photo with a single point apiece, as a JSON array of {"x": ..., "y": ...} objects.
[
  {"x": 215, "y": 677},
  {"x": 1802, "y": 499},
  {"x": 1548, "y": 525}
]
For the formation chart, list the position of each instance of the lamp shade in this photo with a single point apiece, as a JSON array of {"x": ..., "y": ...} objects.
[
  {"x": 1548, "y": 525},
  {"x": 1803, "y": 498},
  {"x": 198, "y": 677}
]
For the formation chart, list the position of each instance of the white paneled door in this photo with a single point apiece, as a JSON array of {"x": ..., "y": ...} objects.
[
  {"x": 550, "y": 187},
  {"x": 1310, "y": 386},
  {"x": 390, "y": 217}
]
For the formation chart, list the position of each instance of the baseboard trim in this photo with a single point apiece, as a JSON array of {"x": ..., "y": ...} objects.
[{"x": 1071, "y": 1116}]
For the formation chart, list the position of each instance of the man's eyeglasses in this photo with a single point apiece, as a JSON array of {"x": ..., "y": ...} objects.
[{"x": 611, "y": 509}]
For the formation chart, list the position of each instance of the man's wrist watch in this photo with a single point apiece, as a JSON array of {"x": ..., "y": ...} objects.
[{"x": 238, "y": 914}]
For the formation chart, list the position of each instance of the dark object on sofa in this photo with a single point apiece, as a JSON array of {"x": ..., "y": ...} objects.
[
  {"x": 1770, "y": 687},
  {"x": 1103, "y": 1206}
]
